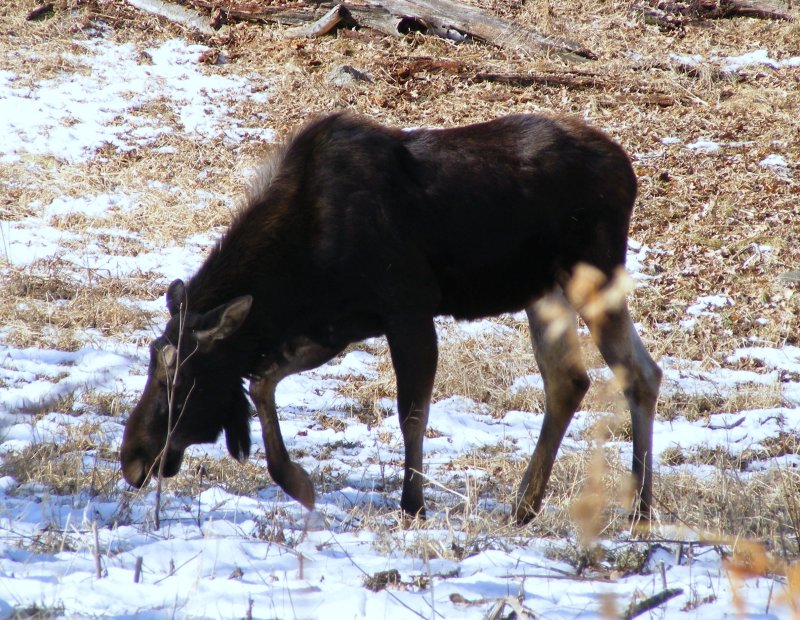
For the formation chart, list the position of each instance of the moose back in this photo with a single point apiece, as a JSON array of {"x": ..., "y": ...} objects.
[{"x": 356, "y": 230}]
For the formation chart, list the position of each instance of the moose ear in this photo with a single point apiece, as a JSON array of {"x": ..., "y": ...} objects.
[
  {"x": 223, "y": 321},
  {"x": 176, "y": 296}
]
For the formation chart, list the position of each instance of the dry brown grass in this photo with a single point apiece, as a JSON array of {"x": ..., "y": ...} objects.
[{"x": 77, "y": 462}]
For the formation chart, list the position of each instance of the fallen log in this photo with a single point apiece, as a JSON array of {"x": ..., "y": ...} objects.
[
  {"x": 763, "y": 9},
  {"x": 177, "y": 14},
  {"x": 454, "y": 20},
  {"x": 674, "y": 14},
  {"x": 443, "y": 18}
]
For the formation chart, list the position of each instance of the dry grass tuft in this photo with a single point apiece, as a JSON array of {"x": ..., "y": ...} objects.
[
  {"x": 77, "y": 463},
  {"x": 698, "y": 407}
]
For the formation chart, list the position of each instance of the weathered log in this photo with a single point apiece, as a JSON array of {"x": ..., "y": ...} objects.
[
  {"x": 177, "y": 14},
  {"x": 444, "y": 18},
  {"x": 764, "y": 9},
  {"x": 322, "y": 26}
]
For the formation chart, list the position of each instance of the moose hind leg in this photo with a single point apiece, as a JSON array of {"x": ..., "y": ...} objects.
[
  {"x": 640, "y": 377},
  {"x": 412, "y": 343},
  {"x": 557, "y": 351}
]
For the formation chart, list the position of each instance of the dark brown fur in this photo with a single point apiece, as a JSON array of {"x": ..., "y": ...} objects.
[{"x": 359, "y": 230}]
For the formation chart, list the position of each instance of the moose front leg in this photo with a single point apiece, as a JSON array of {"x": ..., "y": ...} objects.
[
  {"x": 412, "y": 343},
  {"x": 288, "y": 475}
]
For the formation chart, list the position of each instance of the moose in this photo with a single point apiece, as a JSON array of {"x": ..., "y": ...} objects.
[{"x": 355, "y": 230}]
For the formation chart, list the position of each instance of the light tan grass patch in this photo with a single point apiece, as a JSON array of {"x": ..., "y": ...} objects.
[
  {"x": 725, "y": 502},
  {"x": 199, "y": 473},
  {"x": 64, "y": 324},
  {"x": 699, "y": 407},
  {"x": 62, "y": 466}
]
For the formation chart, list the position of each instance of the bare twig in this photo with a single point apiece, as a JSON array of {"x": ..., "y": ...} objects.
[
  {"x": 726, "y": 427},
  {"x": 170, "y": 411},
  {"x": 98, "y": 564}
]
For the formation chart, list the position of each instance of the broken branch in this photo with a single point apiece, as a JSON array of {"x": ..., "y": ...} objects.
[{"x": 322, "y": 26}]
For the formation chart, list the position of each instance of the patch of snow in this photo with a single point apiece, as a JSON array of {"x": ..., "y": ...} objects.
[
  {"x": 688, "y": 377},
  {"x": 756, "y": 57},
  {"x": 528, "y": 382},
  {"x": 774, "y": 161},
  {"x": 700, "y": 307},
  {"x": 687, "y": 59},
  {"x": 71, "y": 116},
  {"x": 102, "y": 205},
  {"x": 704, "y": 146},
  {"x": 33, "y": 378}
]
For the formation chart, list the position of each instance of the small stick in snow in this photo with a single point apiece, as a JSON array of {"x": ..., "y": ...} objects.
[
  {"x": 98, "y": 564},
  {"x": 137, "y": 569},
  {"x": 519, "y": 611},
  {"x": 654, "y": 601},
  {"x": 725, "y": 427}
]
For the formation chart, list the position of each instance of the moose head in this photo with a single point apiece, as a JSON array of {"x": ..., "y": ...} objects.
[{"x": 192, "y": 393}]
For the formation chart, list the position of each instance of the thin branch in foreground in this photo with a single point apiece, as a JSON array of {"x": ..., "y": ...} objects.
[
  {"x": 98, "y": 563},
  {"x": 171, "y": 382}
]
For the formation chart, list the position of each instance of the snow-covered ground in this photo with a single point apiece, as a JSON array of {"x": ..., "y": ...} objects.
[{"x": 78, "y": 552}]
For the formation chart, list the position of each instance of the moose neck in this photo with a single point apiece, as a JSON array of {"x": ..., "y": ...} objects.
[{"x": 252, "y": 258}]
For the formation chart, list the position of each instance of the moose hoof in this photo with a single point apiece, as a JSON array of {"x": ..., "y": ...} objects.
[
  {"x": 412, "y": 510},
  {"x": 524, "y": 512},
  {"x": 297, "y": 483}
]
